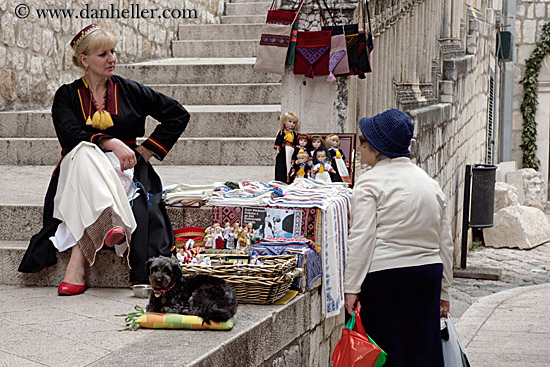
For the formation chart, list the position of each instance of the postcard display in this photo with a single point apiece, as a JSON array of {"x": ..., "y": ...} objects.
[{"x": 324, "y": 218}]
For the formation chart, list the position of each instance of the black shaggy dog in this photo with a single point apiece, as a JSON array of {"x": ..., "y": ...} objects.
[{"x": 201, "y": 295}]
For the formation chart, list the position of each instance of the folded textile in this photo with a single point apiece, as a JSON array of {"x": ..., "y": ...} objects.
[
  {"x": 185, "y": 192},
  {"x": 250, "y": 193},
  {"x": 309, "y": 257}
]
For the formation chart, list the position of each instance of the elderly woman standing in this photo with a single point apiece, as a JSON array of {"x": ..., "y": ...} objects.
[
  {"x": 105, "y": 191},
  {"x": 399, "y": 257}
]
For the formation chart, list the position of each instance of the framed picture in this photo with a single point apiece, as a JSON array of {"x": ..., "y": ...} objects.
[
  {"x": 347, "y": 145},
  {"x": 273, "y": 222}
]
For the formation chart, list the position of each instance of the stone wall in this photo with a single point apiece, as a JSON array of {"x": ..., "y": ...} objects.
[
  {"x": 531, "y": 15},
  {"x": 453, "y": 133},
  {"x": 313, "y": 347},
  {"x": 35, "y": 56}
]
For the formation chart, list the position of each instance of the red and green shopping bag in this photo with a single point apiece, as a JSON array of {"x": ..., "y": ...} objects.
[{"x": 355, "y": 348}]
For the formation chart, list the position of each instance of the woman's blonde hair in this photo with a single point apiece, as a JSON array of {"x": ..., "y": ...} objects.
[
  {"x": 329, "y": 138},
  {"x": 99, "y": 39},
  {"x": 302, "y": 154},
  {"x": 290, "y": 116}
]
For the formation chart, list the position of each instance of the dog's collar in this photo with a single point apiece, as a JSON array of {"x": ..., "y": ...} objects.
[{"x": 161, "y": 292}]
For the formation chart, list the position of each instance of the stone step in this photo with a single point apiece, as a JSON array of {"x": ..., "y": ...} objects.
[
  {"x": 247, "y": 8},
  {"x": 24, "y": 188},
  {"x": 228, "y": 94},
  {"x": 213, "y": 120},
  {"x": 220, "y": 32},
  {"x": 196, "y": 71},
  {"x": 246, "y": 1},
  {"x": 11, "y": 254},
  {"x": 26, "y": 220},
  {"x": 253, "y": 151},
  {"x": 243, "y": 19},
  {"x": 226, "y": 48}
]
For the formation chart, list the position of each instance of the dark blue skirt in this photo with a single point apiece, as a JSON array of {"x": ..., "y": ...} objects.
[{"x": 400, "y": 312}]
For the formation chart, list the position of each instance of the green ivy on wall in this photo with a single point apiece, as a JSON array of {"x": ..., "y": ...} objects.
[{"x": 529, "y": 104}]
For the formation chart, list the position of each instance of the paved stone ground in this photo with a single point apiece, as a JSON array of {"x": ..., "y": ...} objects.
[
  {"x": 509, "y": 328},
  {"x": 519, "y": 268}
]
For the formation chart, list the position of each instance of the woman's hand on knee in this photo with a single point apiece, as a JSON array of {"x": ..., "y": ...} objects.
[
  {"x": 125, "y": 155},
  {"x": 351, "y": 301}
]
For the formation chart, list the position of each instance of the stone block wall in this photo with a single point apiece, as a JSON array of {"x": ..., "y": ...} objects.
[
  {"x": 453, "y": 133},
  {"x": 35, "y": 56},
  {"x": 531, "y": 15},
  {"x": 314, "y": 346}
]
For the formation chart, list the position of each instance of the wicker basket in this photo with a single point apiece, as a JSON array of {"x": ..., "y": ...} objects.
[{"x": 259, "y": 284}]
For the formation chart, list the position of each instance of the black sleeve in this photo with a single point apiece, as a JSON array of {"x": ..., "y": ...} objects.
[
  {"x": 173, "y": 118},
  {"x": 68, "y": 126},
  {"x": 279, "y": 139}
]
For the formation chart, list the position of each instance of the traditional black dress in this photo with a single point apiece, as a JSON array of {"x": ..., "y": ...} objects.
[
  {"x": 337, "y": 159},
  {"x": 300, "y": 170},
  {"x": 285, "y": 142},
  {"x": 129, "y": 103}
]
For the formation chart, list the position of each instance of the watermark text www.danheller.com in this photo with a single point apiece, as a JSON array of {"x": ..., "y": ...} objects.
[{"x": 133, "y": 11}]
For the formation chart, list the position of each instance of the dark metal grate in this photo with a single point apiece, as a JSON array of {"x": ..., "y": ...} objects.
[{"x": 490, "y": 121}]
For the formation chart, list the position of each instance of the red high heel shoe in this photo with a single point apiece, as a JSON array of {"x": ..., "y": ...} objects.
[
  {"x": 68, "y": 289},
  {"x": 115, "y": 237}
]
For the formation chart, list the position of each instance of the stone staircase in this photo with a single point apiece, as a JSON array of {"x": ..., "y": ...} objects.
[{"x": 234, "y": 119}]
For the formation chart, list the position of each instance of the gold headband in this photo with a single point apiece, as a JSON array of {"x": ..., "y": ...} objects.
[{"x": 85, "y": 32}]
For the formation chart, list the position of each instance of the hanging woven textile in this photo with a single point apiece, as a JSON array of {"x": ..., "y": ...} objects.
[
  {"x": 275, "y": 39},
  {"x": 313, "y": 53},
  {"x": 338, "y": 63}
]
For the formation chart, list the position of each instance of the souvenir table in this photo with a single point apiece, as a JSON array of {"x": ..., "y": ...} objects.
[{"x": 303, "y": 209}]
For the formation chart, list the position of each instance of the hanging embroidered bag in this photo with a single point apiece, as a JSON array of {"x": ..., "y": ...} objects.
[
  {"x": 291, "y": 55},
  {"x": 338, "y": 64},
  {"x": 364, "y": 45},
  {"x": 312, "y": 53},
  {"x": 275, "y": 40},
  {"x": 338, "y": 60},
  {"x": 351, "y": 32}
]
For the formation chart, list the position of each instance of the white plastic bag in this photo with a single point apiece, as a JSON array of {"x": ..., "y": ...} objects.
[{"x": 454, "y": 353}]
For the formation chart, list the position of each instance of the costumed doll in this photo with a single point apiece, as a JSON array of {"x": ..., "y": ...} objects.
[
  {"x": 241, "y": 238},
  {"x": 231, "y": 237},
  {"x": 304, "y": 143},
  {"x": 249, "y": 233},
  {"x": 284, "y": 144},
  {"x": 209, "y": 241},
  {"x": 317, "y": 142},
  {"x": 300, "y": 168},
  {"x": 218, "y": 236},
  {"x": 226, "y": 231},
  {"x": 322, "y": 169},
  {"x": 337, "y": 158}
]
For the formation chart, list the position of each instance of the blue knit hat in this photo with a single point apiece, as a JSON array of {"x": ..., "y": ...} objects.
[{"x": 389, "y": 132}]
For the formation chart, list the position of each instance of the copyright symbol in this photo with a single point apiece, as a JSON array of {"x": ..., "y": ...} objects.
[{"x": 22, "y": 11}]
